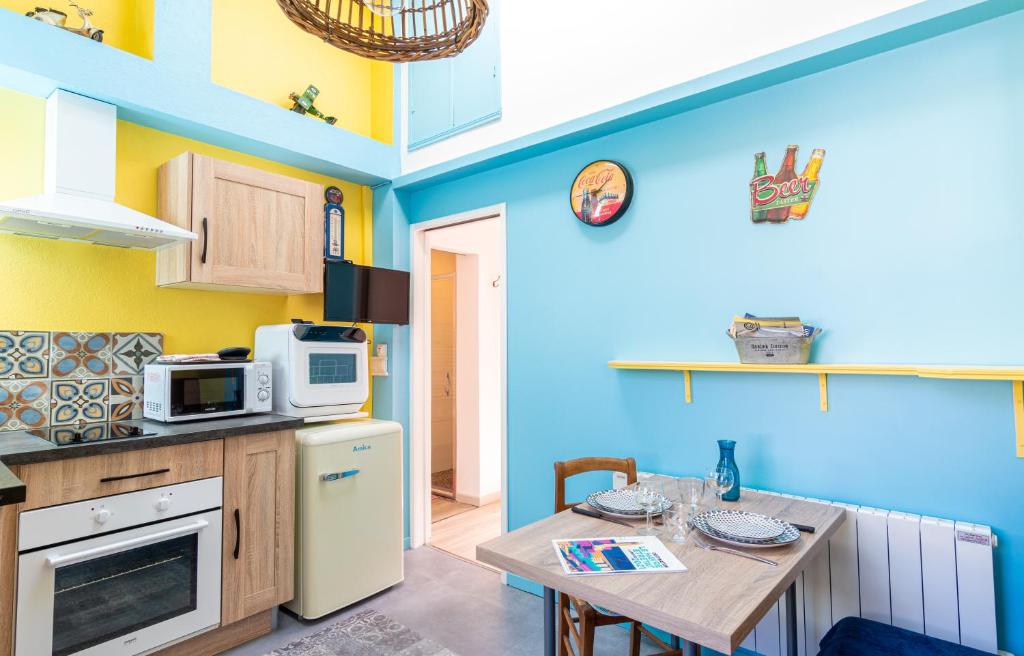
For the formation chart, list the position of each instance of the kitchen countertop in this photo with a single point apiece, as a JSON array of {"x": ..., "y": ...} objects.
[{"x": 22, "y": 447}]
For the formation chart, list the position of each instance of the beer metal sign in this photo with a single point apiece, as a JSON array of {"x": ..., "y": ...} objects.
[{"x": 785, "y": 195}]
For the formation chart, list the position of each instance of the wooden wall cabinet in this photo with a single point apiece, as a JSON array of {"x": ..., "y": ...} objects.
[
  {"x": 259, "y": 497},
  {"x": 258, "y": 231}
]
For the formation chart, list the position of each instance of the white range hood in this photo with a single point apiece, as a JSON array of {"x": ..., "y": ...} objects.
[{"x": 78, "y": 198}]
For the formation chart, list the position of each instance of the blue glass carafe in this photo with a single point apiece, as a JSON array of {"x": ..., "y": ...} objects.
[{"x": 727, "y": 460}]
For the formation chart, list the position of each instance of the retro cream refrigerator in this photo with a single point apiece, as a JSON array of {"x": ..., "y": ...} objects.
[{"x": 348, "y": 519}]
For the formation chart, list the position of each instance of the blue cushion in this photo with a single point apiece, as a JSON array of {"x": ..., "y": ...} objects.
[{"x": 854, "y": 636}]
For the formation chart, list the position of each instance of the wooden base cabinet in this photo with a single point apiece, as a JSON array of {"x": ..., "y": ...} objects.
[
  {"x": 259, "y": 494},
  {"x": 258, "y": 231},
  {"x": 258, "y": 519},
  {"x": 8, "y": 572}
]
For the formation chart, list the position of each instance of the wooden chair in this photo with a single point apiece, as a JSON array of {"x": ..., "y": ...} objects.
[{"x": 587, "y": 617}]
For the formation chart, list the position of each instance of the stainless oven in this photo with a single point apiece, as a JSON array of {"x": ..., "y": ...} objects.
[{"x": 119, "y": 575}]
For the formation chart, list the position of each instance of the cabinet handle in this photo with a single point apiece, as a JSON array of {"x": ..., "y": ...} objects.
[
  {"x": 206, "y": 239},
  {"x": 238, "y": 532},
  {"x": 156, "y": 472}
]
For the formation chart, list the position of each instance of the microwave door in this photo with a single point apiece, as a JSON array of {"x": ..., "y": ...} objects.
[{"x": 207, "y": 392}]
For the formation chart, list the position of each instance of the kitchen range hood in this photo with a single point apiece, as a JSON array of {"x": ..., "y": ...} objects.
[{"x": 78, "y": 198}]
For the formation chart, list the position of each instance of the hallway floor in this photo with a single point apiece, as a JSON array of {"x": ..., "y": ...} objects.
[
  {"x": 458, "y": 534},
  {"x": 462, "y": 606},
  {"x": 443, "y": 508}
]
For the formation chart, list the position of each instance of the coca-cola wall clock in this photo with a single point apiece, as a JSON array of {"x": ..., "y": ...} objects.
[
  {"x": 601, "y": 193},
  {"x": 785, "y": 195}
]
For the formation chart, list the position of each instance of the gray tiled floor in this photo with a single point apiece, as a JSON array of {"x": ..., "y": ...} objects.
[{"x": 462, "y": 606}]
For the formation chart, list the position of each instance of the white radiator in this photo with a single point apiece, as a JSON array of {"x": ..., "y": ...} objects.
[{"x": 929, "y": 575}]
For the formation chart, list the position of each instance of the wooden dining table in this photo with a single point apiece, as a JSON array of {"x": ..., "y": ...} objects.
[{"x": 715, "y": 603}]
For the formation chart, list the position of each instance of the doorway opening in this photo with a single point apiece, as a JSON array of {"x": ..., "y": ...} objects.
[
  {"x": 458, "y": 400},
  {"x": 443, "y": 403}
]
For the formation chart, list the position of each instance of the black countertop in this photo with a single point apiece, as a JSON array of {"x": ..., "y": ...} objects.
[{"x": 22, "y": 447}]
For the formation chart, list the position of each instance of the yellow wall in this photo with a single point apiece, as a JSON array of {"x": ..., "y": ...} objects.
[
  {"x": 382, "y": 93},
  {"x": 258, "y": 51},
  {"x": 56, "y": 285},
  {"x": 126, "y": 24}
]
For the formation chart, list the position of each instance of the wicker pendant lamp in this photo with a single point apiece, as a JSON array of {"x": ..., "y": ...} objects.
[{"x": 391, "y": 30}]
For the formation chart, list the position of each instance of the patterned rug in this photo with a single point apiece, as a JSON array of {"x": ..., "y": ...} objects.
[{"x": 368, "y": 633}]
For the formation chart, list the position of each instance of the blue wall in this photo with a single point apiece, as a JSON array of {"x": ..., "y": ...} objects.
[{"x": 911, "y": 253}]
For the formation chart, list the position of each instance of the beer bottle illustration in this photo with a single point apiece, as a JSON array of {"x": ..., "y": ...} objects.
[
  {"x": 786, "y": 173},
  {"x": 585, "y": 206},
  {"x": 760, "y": 168},
  {"x": 811, "y": 173}
]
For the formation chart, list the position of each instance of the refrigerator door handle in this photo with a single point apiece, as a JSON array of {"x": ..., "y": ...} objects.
[{"x": 334, "y": 476}]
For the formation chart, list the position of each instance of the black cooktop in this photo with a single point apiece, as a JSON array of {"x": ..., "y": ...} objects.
[{"x": 70, "y": 435}]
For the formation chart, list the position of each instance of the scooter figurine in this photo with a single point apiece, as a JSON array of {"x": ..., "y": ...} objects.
[
  {"x": 304, "y": 104},
  {"x": 59, "y": 18}
]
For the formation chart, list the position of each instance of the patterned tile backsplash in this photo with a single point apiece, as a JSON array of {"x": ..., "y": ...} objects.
[
  {"x": 133, "y": 351},
  {"x": 24, "y": 354},
  {"x": 24, "y": 404},
  {"x": 125, "y": 398},
  {"x": 79, "y": 355},
  {"x": 72, "y": 379}
]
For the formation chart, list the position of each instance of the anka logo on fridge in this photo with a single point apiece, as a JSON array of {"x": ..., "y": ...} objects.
[{"x": 785, "y": 195}]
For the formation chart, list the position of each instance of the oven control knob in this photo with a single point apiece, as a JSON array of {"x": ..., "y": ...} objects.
[
  {"x": 263, "y": 379},
  {"x": 102, "y": 516},
  {"x": 263, "y": 395},
  {"x": 163, "y": 503}
]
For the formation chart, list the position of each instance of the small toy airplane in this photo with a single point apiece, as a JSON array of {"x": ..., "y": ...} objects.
[{"x": 304, "y": 104}]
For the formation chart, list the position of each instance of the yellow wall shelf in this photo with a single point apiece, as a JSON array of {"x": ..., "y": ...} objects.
[{"x": 951, "y": 372}]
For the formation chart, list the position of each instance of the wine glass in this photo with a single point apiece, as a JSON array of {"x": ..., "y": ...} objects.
[
  {"x": 721, "y": 481},
  {"x": 649, "y": 496},
  {"x": 675, "y": 517}
]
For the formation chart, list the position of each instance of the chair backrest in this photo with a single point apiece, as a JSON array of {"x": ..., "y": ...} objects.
[{"x": 568, "y": 468}]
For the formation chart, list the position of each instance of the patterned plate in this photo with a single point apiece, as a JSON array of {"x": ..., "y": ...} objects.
[
  {"x": 790, "y": 535},
  {"x": 623, "y": 502},
  {"x": 738, "y": 524}
]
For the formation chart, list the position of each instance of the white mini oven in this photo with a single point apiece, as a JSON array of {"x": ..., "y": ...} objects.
[
  {"x": 318, "y": 370},
  {"x": 181, "y": 392}
]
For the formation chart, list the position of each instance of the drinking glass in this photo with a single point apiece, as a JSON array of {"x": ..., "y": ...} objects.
[
  {"x": 721, "y": 481},
  {"x": 675, "y": 518},
  {"x": 691, "y": 491},
  {"x": 649, "y": 496}
]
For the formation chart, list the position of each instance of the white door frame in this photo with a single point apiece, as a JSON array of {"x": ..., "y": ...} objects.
[{"x": 419, "y": 356}]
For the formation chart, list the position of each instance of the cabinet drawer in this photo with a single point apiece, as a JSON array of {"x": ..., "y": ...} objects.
[{"x": 75, "y": 479}]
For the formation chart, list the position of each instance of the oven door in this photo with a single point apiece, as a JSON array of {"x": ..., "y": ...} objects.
[
  {"x": 327, "y": 375},
  {"x": 122, "y": 593}
]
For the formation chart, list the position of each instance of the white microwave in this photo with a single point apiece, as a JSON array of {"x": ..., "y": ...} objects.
[
  {"x": 183, "y": 392},
  {"x": 319, "y": 371}
]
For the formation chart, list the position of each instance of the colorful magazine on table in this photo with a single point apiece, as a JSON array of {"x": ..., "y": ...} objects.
[{"x": 636, "y": 553}]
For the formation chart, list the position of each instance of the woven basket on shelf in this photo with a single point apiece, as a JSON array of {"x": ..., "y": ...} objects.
[{"x": 414, "y": 30}]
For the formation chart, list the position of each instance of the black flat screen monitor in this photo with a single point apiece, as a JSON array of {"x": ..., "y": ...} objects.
[{"x": 365, "y": 294}]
